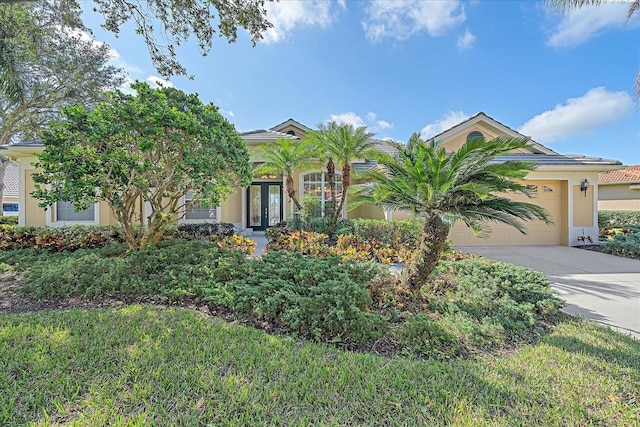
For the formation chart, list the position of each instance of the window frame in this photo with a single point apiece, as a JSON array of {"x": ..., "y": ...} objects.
[
  {"x": 52, "y": 217},
  {"x": 183, "y": 215},
  {"x": 323, "y": 173}
]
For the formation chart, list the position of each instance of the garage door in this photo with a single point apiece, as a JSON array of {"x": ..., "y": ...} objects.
[{"x": 546, "y": 194}]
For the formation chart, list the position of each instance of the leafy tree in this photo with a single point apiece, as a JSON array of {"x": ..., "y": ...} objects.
[
  {"x": 284, "y": 157},
  {"x": 565, "y": 5},
  {"x": 176, "y": 21},
  {"x": 149, "y": 148},
  {"x": 442, "y": 188},
  {"x": 46, "y": 63},
  {"x": 342, "y": 144}
]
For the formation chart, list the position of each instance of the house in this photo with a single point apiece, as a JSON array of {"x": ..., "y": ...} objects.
[
  {"x": 619, "y": 189},
  {"x": 10, "y": 193},
  {"x": 567, "y": 186}
]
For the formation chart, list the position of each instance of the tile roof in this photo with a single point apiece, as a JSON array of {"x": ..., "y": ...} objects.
[
  {"x": 265, "y": 135},
  {"x": 630, "y": 174}
]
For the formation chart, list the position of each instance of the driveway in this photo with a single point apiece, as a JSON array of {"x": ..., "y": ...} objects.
[{"x": 601, "y": 287}]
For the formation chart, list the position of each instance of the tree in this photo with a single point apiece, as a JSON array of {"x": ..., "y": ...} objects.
[
  {"x": 343, "y": 144},
  {"x": 149, "y": 148},
  {"x": 46, "y": 63},
  {"x": 565, "y": 5},
  {"x": 176, "y": 21},
  {"x": 284, "y": 157},
  {"x": 467, "y": 185}
]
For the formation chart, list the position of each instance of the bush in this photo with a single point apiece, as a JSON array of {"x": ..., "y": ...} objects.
[
  {"x": 326, "y": 298},
  {"x": 204, "y": 231},
  {"x": 9, "y": 220},
  {"x": 173, "y": 268},
  {"x": 495, "y": 301},
  {"x": 388, "y": 232},
  {"x": 56, "y": 239},
  {"x": 618, "y": 219},
  {"x": 428, "y": 337},
  {"x": 626, "y": 245}
]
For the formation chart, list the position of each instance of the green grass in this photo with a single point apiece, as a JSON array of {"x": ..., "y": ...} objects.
[{"x": 143, "y": 365}]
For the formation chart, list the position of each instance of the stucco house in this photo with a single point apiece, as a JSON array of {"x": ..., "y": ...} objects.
[
  {"x": 567, "y": 186},
  {"x": 10, "y": 192},
  {"x": 619, "y": 189}
]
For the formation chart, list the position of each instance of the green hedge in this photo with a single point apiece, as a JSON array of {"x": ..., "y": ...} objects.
[
  {"x": 618, "y": 219},
  {"x": 626, "y": 245},
  {"x": 387, "y": 231}
]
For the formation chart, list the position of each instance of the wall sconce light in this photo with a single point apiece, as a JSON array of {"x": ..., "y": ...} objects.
[{"x": 584, "y": 186}]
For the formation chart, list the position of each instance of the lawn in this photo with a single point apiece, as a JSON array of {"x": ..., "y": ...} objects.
[{"x": 148, "y": 365}]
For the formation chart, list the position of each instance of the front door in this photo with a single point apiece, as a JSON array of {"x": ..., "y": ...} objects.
[{"x": 264, "y": 201}]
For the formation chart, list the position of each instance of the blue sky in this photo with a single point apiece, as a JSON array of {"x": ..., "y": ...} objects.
[{"x": 408, "y": 66}]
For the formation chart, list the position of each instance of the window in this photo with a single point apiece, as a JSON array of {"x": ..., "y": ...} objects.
[
  {"x": 533, "y": 188},
  {"x": 290, "y": 132},
  {"x": 196, "y": 211},
  {"x": 66, "y": 212},
  {"x": 475, "y": 134},
  {"x": 9, "y": 208},
  {"x": 315, "y": 183}
]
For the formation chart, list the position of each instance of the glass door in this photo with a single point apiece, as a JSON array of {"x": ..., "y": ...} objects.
[{"x": 264, "y": 201}]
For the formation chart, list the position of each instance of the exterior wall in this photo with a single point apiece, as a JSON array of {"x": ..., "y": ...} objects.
[
  {"x": 489, "y": 132},
  {"x": 618, "y": 197},
  {"x": 231, "y": 209},
  {"x": 370, "y": 212},
  {"x": 30, "y": 213}
]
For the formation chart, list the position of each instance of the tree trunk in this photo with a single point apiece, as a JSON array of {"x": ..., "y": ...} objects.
[
  {"x": 331, "y": 180},
  {"x": 292, "y": 192},
  {"x": 346, "y": 181},
  {"x": 432, "y": 244}
]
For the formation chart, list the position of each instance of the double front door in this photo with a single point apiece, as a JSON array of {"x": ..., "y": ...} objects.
[{"x": 264, "y": 202}]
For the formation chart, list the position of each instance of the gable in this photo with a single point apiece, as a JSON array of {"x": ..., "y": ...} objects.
[
  {"x": 453, "y": 138},
  {"x": 291, "y": 127}
]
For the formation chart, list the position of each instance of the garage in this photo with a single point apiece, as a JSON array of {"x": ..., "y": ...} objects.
[{"x": 547, "y": 194}]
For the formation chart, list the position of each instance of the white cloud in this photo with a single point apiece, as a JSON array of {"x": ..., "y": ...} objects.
[
  {"x": 596, "y": 108},
  {"x": 403, "y": 19},
  {"x": 383, "y": 124},
  {"x": 371, "y": 116},
  {"x": 466, "y": 41},
  {"x": 579, "y": 25},
  {"x": 157, "y": 81},
  {"x": 451, "y": 119},
  {"x": 349, "y": 118},
  {"x": 287, "y": 15}
]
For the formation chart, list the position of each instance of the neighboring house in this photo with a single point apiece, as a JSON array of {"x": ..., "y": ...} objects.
[
  {"x": 10, "y": 193},
  {"x": 619, "y": 189},
  {"x": 558, "y": 185}
]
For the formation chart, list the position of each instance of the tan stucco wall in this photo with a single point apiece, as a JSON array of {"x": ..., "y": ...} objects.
[
  {"x": 618, "y": 197},
  {"x": 370, "y": 212},
  {"x": 232, "y": 207},
  {"x": 582, "y": 207},
  {"x": 34, "y": 214}
]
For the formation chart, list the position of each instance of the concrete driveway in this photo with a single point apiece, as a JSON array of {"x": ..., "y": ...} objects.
[{"x": 601, "y": 287}]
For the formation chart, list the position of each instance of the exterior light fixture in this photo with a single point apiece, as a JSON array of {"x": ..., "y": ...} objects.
[{"x": 584, "y": 186}]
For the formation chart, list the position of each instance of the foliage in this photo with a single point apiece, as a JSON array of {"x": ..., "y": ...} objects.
[
  {"x": 618, "y": 219},
  {"x": 608, "y": 233},
  {"x": 245, "y": 244},
  {"x": 321, "y": 297},
  {"x": 8, "y": 220},
  {"x": 387, "y": 232},
  {"x": 342, "y": 144},
  {"x": 72, "y": 238},
  {"x": 427, "y": 337},
  {"x": 626, "y": 245},
  {"x": 177, "y": 22},
  {"x": 283, "y": 158},
  {"x": 442, "y": 188},
  {"x": 45, "y": 63},
  {"x": 149, "y": 148},
  {"x": 174, "y": 268}
]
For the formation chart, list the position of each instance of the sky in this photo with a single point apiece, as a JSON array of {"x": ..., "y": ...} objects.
[{"x": 405, "y": 66}]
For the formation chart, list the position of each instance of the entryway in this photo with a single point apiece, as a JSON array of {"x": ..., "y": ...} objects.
[{"x": 264, "y": 202}]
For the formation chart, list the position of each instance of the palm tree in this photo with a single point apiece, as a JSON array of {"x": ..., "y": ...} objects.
[
  {"x": 283, "y": 157},
  {"x": 342, "y": 144},
  {"x": 442, "y": 188},
  {"x": 564, "y": 5}
]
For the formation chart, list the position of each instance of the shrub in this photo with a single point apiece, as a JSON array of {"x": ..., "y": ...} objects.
[
  {"x": 55, "y": 239},
  {"x": 8, "y": 220},
  {"x": 427, "y": 337},
  {"x": 618, "y": 219},
  {"x": 626, "y": 245},
  {"x": 326, "y": 298},
  {"x": 173, "y": 268},
  {"x": 204, "y": 231},
  {"x": 388, "y": 232}
]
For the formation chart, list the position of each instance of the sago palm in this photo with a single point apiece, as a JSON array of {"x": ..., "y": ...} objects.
[
  {"x": 342, "y": 144},
  {"x": 467, "y": 185},
  {"x": 283, "y": 157}
]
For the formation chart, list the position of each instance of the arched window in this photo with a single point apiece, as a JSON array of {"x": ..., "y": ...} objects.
[
  {"x": 315, "y": 184},
  {"x": 290, "y": 132},
  {"x": 475, "y": 134}
]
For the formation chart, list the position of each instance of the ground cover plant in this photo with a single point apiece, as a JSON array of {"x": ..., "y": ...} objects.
[
  {"x": 329, "y": 298},
  {"x": 144, "y": 365}
]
